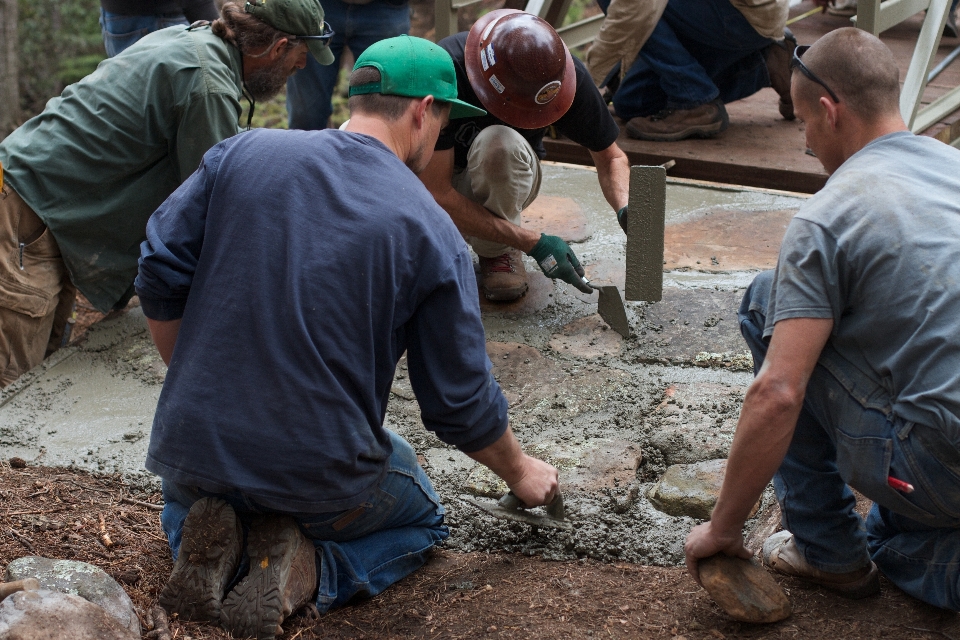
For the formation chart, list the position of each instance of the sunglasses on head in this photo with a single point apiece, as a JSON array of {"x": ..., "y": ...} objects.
[
  {"x": 324, "y": 36},
  {"x": 797, "y": 63}
]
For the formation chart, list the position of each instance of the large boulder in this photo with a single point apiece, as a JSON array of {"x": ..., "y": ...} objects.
[
  {"x": 81, "y": 579},
  {"x": 45, "y": 614}
]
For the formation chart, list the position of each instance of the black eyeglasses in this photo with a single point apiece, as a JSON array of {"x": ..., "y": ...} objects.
[
  {"x": 796, "y": 63},
  {"x": 325, "y": 34}
]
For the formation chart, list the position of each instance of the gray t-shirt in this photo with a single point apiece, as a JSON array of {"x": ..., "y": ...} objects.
[{"x": 878, "y": 251}]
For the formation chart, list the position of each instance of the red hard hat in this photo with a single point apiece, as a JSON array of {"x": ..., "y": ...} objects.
[{"x": 520, "y": 68}]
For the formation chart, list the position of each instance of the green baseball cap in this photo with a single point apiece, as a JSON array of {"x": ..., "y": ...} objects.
[
  {"x": 300, "y": 18},
  {"x": 413, "y": 68}
]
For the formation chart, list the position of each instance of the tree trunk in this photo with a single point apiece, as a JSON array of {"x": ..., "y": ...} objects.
[{"x": 9, "y": 90}]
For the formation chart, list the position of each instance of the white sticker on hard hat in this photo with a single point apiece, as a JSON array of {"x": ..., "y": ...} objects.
[
  {"x": 493, "y": 58},
  {"x": 483, "y": 60},
  {"x": 548, "y": 92},
  {"x": 549, "y": 264},
  {"x": 497, "y": 84},
  {"x": 486, "y": 32}
]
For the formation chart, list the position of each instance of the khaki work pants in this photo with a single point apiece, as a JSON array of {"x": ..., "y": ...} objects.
[
  {"x": 623, "y": 33},
  {"x": 35, "y": 288},
  {"x": 503, "y": 175}
]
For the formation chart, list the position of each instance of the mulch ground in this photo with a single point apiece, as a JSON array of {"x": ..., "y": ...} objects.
[{"x": 71, "y": 515}]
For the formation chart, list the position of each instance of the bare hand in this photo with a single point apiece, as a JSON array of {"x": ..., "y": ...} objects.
[
  {"x": 703, "y": 542},
  {"x": 538, "y": 484}
]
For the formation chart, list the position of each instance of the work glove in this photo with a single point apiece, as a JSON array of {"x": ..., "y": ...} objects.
[
  {"x": 622, "y": 219},
  {"x": 557, "y": 260}
]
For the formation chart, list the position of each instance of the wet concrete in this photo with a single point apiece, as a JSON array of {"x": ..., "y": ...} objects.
[{"x": 611, "y": 413}]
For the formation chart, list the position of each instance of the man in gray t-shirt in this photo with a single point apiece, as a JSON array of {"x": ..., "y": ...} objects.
[{"x": 856, "y": 344}]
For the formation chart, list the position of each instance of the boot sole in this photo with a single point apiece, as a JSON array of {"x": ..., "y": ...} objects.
[
  {"x": 505, "y": 296},
  {"x": 255, "y": 607},
  {"x": 209, "y": 554},
  {"x": 704, "y": 131}
]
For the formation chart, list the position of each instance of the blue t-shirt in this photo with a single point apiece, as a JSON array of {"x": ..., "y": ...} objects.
[
  {"x": 877, "y": 250},
  {"x": 303, "y": 265}
]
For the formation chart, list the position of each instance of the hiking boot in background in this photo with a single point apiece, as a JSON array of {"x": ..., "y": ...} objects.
[
  {"x": 780, "y": 553},
  {"x": 503, "y": 278},
  {"x": 282, "y": 578},
  {"x": 704, "y": 121},
  {"x": 777, "y": 57},
  {"x": 210, "y": 551},
  {"x": 843, "y": 8}
]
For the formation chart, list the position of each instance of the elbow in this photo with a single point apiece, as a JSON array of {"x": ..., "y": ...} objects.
[{"x": 778, "y": 396}]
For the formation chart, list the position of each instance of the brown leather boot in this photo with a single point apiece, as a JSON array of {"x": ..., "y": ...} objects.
[
  {"x": 778, "y": 56},
  {"x": 671, "y": 125},
  {"x": 503, "y": 278},
  {"x": 209, "y": 554},
  {"x": 282, "y": 578}
]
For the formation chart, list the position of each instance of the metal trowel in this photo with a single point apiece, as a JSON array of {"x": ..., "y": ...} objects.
[
  {"x": 509, "y": 507},
  {"x": 611, "y": 309}
]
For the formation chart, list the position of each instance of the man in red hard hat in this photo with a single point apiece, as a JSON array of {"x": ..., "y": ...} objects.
[{"x": 486, "y": 170}]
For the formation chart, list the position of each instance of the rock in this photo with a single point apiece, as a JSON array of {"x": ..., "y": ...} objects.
[
  {"x": 485, "y": 483},
  {"x": 45, "y": 614},
  {"x": 81, "y": 579},
  {"x": 690, "y": 489},
  {"x": 743, "y": 589}
]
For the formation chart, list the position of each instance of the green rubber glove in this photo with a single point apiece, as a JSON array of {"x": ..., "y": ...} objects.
[
  {"x": 557, "y": 260},
  {"x": 622, "y": 219}
]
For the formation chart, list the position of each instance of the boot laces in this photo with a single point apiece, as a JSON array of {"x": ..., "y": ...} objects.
[{"x": 501, "y": 264}]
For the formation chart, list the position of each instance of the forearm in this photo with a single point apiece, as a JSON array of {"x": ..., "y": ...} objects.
[
  {"x": 613, "y": 172},
  {"x": 504, "y": 457},
  {"x": 164, "y": 334},
  {"x": 473, "y": 219},
  {"x": 533, "y": 481}
]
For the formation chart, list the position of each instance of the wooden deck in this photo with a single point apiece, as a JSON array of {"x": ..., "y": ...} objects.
[{"x": 760, "y": 149}]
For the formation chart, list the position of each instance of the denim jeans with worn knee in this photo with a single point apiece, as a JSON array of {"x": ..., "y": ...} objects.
[
  {"x": 360, "y": 551},
  {"x": 357, "y": 26},
  {"x": 700, "y": 50},
  {"x": 120, "y": 30},
  {"x": 847, "y": 434}
]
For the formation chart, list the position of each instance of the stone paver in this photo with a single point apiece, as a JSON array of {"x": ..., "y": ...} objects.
[{"x": 557, "y": 216}]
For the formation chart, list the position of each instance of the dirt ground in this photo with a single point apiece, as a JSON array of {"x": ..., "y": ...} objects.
[{"x": 62, "y": 514}]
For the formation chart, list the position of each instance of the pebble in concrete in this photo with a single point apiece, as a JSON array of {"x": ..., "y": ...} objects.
[
  {"x": 745, "y": 591},
  {"x": 46, "y": 614},
  {"x": 691, "y": 489},
  {"x": 81, "y": 579},
  {"x": 720, "y": 239},
  {"x": 557, "y": 216}
]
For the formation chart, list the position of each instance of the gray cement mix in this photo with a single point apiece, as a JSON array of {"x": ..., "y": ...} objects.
[{"x": 610, "y": 413}]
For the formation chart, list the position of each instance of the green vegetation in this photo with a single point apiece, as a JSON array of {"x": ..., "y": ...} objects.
[{"x": 60, "y": 43}]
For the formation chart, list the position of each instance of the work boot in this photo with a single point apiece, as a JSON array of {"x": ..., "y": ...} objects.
[
  {"x": 503, "y": 278},
  {"x": 282, "y": 578},
  {"x": 780, "y": 553},
  {"x": 777, "y": 57},
  {"x": 670, "y": 125},
  {"x": 209, "y": 554},
  {"x": 843, "y": 8}
]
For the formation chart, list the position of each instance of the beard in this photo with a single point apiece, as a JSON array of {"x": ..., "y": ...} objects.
[
  {"x": 420, "y": 157},
  {"x": 267, "y": 82}
]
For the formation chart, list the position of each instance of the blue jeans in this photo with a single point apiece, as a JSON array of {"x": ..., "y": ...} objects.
[
  {"x": 700, "y": 50},
  {"x": 360, "y": 551},
  {"x": 120, "y": 31},
  {"x": 356, "y": 26},
  {"x": 846, "y": 433}
]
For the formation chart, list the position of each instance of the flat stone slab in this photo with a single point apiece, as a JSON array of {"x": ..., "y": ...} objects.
[
  {"x": 81, "y": 579},
  {"x": 691, "y": 489},
  {"x": 695, "y": 421},
  {"x": 587, "y": 337},
  {"x": 721, "y": 239},
  {"x": 745, "y": 591},
  {"x": 686, "y": 323},
  {"x": 557, "y": 216}
]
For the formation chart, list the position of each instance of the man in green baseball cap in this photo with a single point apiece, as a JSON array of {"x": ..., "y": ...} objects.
[
  {"x": 302, "y": 19},
  {"x": 284, "y": 438}
]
